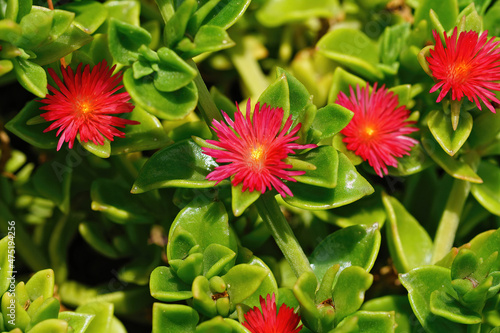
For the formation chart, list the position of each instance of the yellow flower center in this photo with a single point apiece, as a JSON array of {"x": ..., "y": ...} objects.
[
  {"x": 84, "y": 107},
  {"x": 256, "y": 158},
  {"x": 369, "y": 131},
  {"x": 459, "y": 72}
]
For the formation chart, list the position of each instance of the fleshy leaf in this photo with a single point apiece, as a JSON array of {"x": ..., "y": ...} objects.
[
  {"x": 351, "y": 186},
  {"x": 353, "y": 49},
  {"x": 331, "y": 119},
  {"x": 31, "y": 76},
  {"x": 174, "y": 318},
  {"x": 242, "y": 281},
  {"x": 441, "y": 128},
  {"x": 172, "y": 73},
  {"x": 166, "y": 287},
  {"x": 208, "y": 39},
  {"x": 487, "y": 193},
  {"x": 326, "y": 161},
  {"x": 409, "y": 244},
  {"x": 165, "y": 105},
  {"x": 125, "y": 40},
  {"x": 182, "y": 164},
  {"x": 352, "y": 246}
]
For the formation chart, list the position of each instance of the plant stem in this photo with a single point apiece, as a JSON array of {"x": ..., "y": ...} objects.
[
  {"x": 450, "y": 219},
  {"x": 275, "y": 221},
  {"x": 205, "y": 102}
]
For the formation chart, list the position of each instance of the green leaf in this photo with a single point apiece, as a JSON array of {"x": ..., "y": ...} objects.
[
  {"x": 53, "y": 185},
  {"x": 299, "y": 96},
  {"x": 242, "y": 281},
  {"x": 96, "y": 238},
  {"x": 216, "y": 259},
  {"x": 148, "y": 135},
  {"x": 79, "y": 322},
  {"x": 349, "y": 291},
  {"x": 124, "y": 41},
  {"x": 394, "y": 303},
  {"x": 206, "y": 222},
  {"x": 443, "y": 305},
  {"x": 174, "y": 318},
  {"x": 41, "y": 284},
  {"x": 31, "y": 76},
  {"x": 115, "y": 203},
  {"x": 450, "y": 140},
  {"x": 383, "y": 322},
  {"x": 5, "y": 264},
  {"x": 72, "y": 39},
  {"x": 35, "y": 27},
  {"x": 421, "y": 282},
  {"x": 50, "y": 325},
  {"x": 166, "y": 287},
  {"x": 409, "y": 244},
  {"x": 447, "y": 10},
  {"x": 352, "y": 246},
  {"x": 172, "y": 72},
  {"x": 351, "y": 186},
  {"x": 331, "y": 119},
  {"x": 223, "y": 13},
  {"x": 454, "y": 167},
  {"x": 276, "y": 95},
  {"x": 102, "y": 151},
  {"x": 182, "y": 164},
  {"x": 341, "y": 81},
  {"x": 176, "y": 25},
  {"x": 326, "y": 161},
  {"x": 89, "y": 14},
  {"x": 278, "y": 12},
  {"x": 10, "y": 31},
  {"x": 208, "y": 39},
  {"x": 353, "y": 49},
  {"x": 49, "y": 309},
  {"x": 411, "y": 164},
  {"x": 214, "y": 325},
  {"x": 241, "y": 200},
  {"x": 103, "y": 313},
  {"x": 202, "y": 297},
  {"x": 486, "y": 128},
  {"x": 165, "y": 105},
  {"x": 487, "y": 193},
  {"x": 268, "y": 286},
  {"x": 127, "y": 11}
]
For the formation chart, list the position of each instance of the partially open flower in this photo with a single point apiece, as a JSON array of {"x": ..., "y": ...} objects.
[
  {"x": 377, "y": 131},
  {"x": 468, "y": 64},
  {"x": 253, "y": 148},
  {"x": 84, "y": 103},
  {"x": 285, "y": 320}
]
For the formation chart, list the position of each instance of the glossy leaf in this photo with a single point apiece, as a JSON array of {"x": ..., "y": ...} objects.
[
  {"x": 125, "y": 40},
  {"x": 442, "y": 304},
  {"x": 61, "y": 21},
  {"x": 165, "y": 105},
  {"x": 411, "y": 164},
  {"x": 395, "y": 303},
  {"x": 326, "y": 161},
  {"x": 421, "y": 282},
  {"x": 5, "y": 264},
  {"x": 208, "y": 39},
  {"x": 112, "y": 200},
  {"x": 216, "y": 259},
  {"x": 50, "y": 325},
  {"x": 351, "y": 186},
  {"x": 268, "y": 286},
  {"x": 174, "y": 318},
  {"x": 341, "y": 81},
  {"x": 452, "y": 166},
  {"x": 486, "y": 128},
  {"x": 72, "y": 39},
  {"x": 225, "y": 12},
  {"x": 450, "y": 140},
  {"x": 166, "y": 287},
  {"x": 446, "y": 10},
  {"x": 277, "y": 94},
  {"x": 79, "y": 322},
  {"x": 206, "y": 222},
  {"x": 352, "y": 246},
  {"x": 353, "y": 49},
  {"x": 103, "y": 312},
  {"x": 175, "y": 27},
  {"x": 409, "y": 244},
  {"x": 127, "y": 11},
  {"x": 242, "y": 281},
  {"x": 31, "y": 76},
  {"x": 35, "y": 27},
  {"x": 102, "y": 151},
  {"x": 89, "y": 14},
  {"x": 374, "y": 321},
  {"x": 147, "y": 135},
  {"x": 331, "y": 119},
  {"x": 299, "y": 96},
  {"x": 487, "y": 193},
  {"x": 41, "y": 284},
  {"x": 240, "y": 200},
  {"x": 53, "y": 185},
  {"x": 182, "y": 164},
  {"x": 172, "y": 72}
]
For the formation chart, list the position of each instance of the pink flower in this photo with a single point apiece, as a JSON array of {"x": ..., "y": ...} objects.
[
  {"x": 253, "y": 149},
  {"x": 84, "y": 103},
  {"x": 377, "y": 130},
  {"x": 270, "y": 320},
  {"x": 468, "y": 66}
]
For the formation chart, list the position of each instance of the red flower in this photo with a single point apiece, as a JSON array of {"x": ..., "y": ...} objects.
[
  {"x": 255, "y": 149},
  {"x": 468, "y": 66},
  {"x": 83, "y": 105},
  {"x": 268, "y": 321},
  {"x": 377, "y": 130}
]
